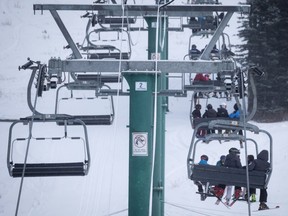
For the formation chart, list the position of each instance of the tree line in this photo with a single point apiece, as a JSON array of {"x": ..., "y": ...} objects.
[{"x": 265, "y": 43}]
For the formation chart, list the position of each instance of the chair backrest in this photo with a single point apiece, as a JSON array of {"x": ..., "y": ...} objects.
[{"x": 228, "y": 176}]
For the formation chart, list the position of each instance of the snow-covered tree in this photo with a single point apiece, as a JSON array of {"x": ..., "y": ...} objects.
[{"x": 265, "y": 36}]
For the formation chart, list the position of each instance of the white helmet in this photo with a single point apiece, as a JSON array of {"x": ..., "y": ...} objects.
[{"x": 223, "y": 105}]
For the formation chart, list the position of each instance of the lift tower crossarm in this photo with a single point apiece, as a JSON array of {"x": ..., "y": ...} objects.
[
  {"x": 148, "y": 66},
  {"x": 186, "y": 10}
]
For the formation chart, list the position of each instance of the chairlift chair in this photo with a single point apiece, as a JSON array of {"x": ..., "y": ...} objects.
[
  {"x": 92, "y": 86},
  {"x": 99, "y": 47},
  {"x": 37, "y": 168},
  {"x": 214, "y": 175},
  {"x": 115, "y": 22}
]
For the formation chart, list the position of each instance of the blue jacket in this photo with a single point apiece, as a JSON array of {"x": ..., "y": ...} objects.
[
  {"x": 235, "y": 114},
  {"x": 203, "y": 162}
]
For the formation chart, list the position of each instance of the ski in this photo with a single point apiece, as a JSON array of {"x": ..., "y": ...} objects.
[
  {"x": 235, "y": 199},
  {"x": 276, "y": 207},
  {"x": 219, "y": 200},
  {"x": 233, "y": 202}
]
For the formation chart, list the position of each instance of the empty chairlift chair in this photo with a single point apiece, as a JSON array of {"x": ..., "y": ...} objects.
[
  {"x": 94, "y": 112},
  {"x": 104, "y": 43},
  {"x": 47, "y": 156}
]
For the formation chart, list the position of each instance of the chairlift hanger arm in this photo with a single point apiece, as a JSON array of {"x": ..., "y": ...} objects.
[
  {"x": 206, "y": 54},
  {"x": 146, "y": 10},
  {"x": 66, "y": 34}
]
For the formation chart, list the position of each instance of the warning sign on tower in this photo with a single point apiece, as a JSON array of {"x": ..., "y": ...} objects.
[{"x": 140, "y": 144}]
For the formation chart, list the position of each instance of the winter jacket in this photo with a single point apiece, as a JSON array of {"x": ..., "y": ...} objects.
[
  {"x": 200, "y": 77},
  {"x": 222, "y": 112},
  {"x": 210, "y": 113},
  {"x": 235, "y": 114},
  {"x": 261, "y": 163},
  {"x": 203, "y": 162},
  {"x": 232, "y": 160},
  {"x": 219, "y": 163},
  {"x": 194, "y": 51},
  {"x": 196, "y": 113}
]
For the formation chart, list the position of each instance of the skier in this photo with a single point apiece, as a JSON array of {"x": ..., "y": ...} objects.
[
  {"x": 261, "y": 164},
  {"x": 194, "y": 49},
  {"x": 222, "y": 113},
  {"x": 221, "y": 161},
  {"x": 197, "y": 114},
  {"x": 236, "y": 115},
  {"x": 250, "y": 159},
  {"x": 232, "y": 160},
  {"x": 203, "y": 161},
  {"x": 199, "y": 78},
  {"x": 210, "y": 113},
  {"x": 194, "y": 52}
]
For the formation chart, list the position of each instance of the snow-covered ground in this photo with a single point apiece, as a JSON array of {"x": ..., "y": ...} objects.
[{"x": 105, "y": 189}]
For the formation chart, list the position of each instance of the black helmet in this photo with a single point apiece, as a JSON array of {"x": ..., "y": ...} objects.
[
  {"x": 235, "y": 106},
  {"x": 234, "y": 150},
  {"x": 209, "y": 106},
  {"x": 250, "y": 158},
  {"x": 198, "y": 106},
  {"x": 204, "y": 157},
  {"x": 223, "y": 158}
]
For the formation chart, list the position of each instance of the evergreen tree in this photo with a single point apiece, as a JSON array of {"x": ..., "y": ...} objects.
[{"x": 265, "y": 36}]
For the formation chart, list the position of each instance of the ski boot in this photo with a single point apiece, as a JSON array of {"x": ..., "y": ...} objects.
[
  {"x": 263, "y": 206},
  {"x": 253, "y": 198}
]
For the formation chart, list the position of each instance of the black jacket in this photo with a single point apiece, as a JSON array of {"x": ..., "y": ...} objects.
[
  {"x": 222, "y": 112},
  {"x": 210, "y": 113},
  {"x": 261, "y": 163},
  {"x": 233, "y": 160},
  {"x": 196, "y": 113}
]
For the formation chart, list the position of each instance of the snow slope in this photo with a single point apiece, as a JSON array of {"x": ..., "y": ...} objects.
[{"x": 105, "y": 190}]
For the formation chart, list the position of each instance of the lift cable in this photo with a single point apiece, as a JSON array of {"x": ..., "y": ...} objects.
[
  {"x": 155, "y": 104},
  {"x": 117, "y": 97},
  {"x": 245, "y": 141},
  {"x": 189, "y": 209},
  {"x": 155, "y": 113},
  {"x": 28, "y": 144}
]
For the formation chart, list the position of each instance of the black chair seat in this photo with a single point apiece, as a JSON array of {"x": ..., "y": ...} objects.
[
  {"x": 49, "y": 169},
  {"x": 90, "y": 120},
  {"x": 109, "y": 55},
  {"x": 96, "y": 77}
]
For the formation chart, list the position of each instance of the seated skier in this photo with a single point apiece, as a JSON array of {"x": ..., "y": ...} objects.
[{"x": 261, "y": 164}]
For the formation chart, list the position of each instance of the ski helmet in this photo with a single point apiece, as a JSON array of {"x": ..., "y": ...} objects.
[
  {"x": 204, "y": 157},
  {"x": 223, "y": 105},
  {"x": 209, "y": 106},
  {"x": 198, "y": 106},
  {"x": 234, "y": 150},
  {"x": 250, "y": 158},
  {"x": 223, "y": 158}
]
